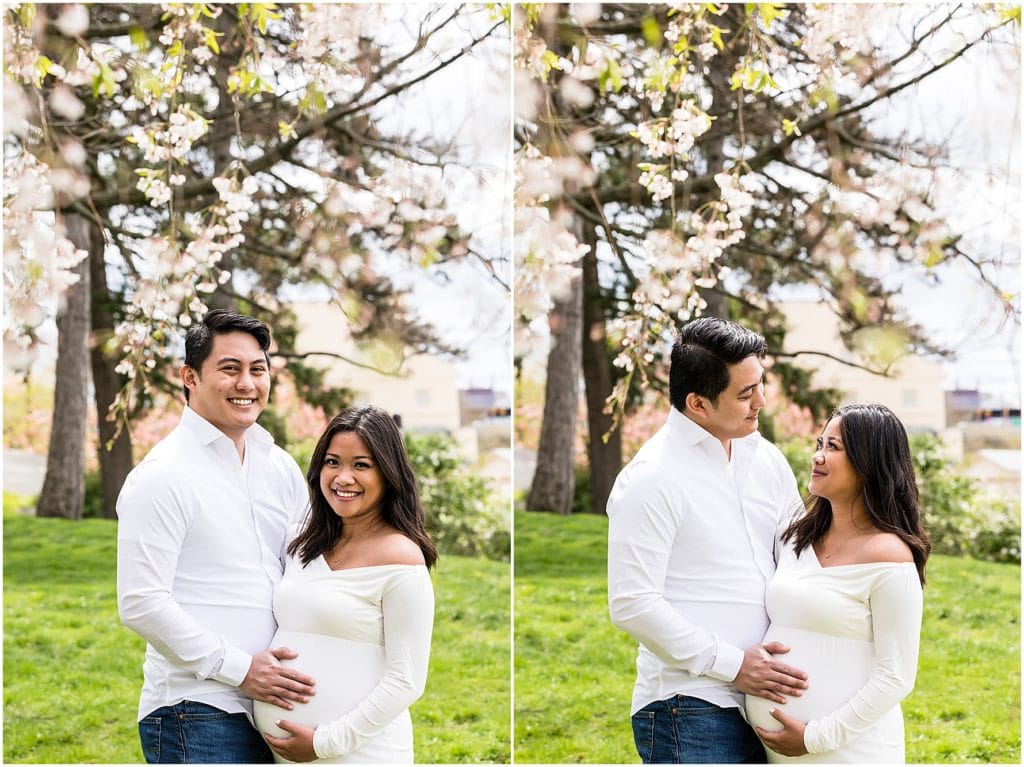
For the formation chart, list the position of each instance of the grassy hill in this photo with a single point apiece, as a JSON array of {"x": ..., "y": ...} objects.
[
  {"x": 72, "y": 673},
  {"x": 574, "y": 671}
]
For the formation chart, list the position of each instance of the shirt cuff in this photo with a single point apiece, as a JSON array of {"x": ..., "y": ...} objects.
[
  {"x": 726, "y": 664},
  {"x": 811, "y": 733},
  {"x": 320, "y": 745},
  {"x": 234, "y": 667}
]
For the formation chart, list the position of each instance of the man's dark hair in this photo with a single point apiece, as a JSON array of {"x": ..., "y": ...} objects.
[
  {"x": 218, "y": 322},
  {"x": 701, "y": 356}
]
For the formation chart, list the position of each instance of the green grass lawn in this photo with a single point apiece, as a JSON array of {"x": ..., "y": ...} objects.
[
  {"x": 574, "y": 671},
  {"x": 72, "y": 673}
]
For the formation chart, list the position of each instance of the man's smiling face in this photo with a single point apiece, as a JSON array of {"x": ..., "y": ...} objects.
[{"x": 231, "y": 389}]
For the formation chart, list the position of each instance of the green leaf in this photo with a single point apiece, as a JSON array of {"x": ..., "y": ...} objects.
[
  {"x": 1010, "y": 13},
  {"x": 550, "y": 60},
  {"x": 651, "y": 31},
  {"x": 789, "y": 127},
  {"x": 716, "y": 36},
  {"x": 43, "y": 67},
  {"x": 314, "y": 101},
  {"x": 611, "y": 77},
  {"x": 26, "y": 14},
  {"x": 934, "y": 257},
  {"x": 211, "y": 40},
  {"x": 104, "y": 82},
  {"x": 139, "y": 38},
  {"x": 286, "y": 130},
  {"x": 769, "y": 12},
  {"x": 261, "y": 13}
]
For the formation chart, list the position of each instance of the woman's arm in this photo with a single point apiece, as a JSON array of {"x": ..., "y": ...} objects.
[{"x": 408, "y": 609}]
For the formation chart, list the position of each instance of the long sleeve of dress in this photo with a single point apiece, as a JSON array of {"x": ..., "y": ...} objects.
[
  {"x": 407, "y": 606},
  {"x": 896, "y": 606}
]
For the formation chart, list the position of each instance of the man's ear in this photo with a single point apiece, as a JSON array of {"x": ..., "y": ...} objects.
[
  {"x": 188, "y": 376},
  {"x": 696, "y": 404}
]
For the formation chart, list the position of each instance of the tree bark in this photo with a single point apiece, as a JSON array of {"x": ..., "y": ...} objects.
[
  {"x": 554, "y": 480},
  {"x": 604, "y": 458},
  {"x": 63, "y": 492},
  {"x": 115, "y": 462}
]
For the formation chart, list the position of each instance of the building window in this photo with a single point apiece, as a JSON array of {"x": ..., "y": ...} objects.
[
  {"x": 423, "y": 398},
  {"x": 910, "y": 398}
]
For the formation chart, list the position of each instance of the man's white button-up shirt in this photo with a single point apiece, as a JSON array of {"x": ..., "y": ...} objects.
[
  {"x": 691, "y": 547},
  {"x": 199, "y": 551}
]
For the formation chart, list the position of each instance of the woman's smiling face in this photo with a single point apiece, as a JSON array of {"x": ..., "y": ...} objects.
[
  {"x": 832, "y": 474},
  {"x": 349, "y": 477}
]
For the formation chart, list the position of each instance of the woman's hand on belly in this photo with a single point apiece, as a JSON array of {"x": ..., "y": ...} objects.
[
  {"x": 789, "y": 741},
  {"x": 298, "y": 747}
]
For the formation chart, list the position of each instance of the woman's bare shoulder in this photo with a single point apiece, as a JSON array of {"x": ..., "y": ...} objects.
[
  {"x": 395, "y": 548},
  {"x": 887, "y": 547}
]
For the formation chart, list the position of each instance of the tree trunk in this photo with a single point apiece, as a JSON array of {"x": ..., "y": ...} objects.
[
  {"x": 554, "y": 480},
  {"x": 115, "y": 462},
  {"x": 604, "y": 458},
  {"x": 63, "y": 490}
]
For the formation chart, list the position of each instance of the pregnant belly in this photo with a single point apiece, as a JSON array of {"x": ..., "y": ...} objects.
[
  {"x": 345, "y": 672},
  {"x": 836, "y": 669}
]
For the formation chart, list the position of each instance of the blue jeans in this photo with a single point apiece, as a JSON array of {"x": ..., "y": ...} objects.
[
  {"x": 195, "y": 733},
  {"x": 685, "y": 730}
]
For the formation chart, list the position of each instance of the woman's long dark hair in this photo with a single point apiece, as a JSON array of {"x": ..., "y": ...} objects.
[
  {"x": 876, "y": 444},
  {"x": 400, "y": 505}
]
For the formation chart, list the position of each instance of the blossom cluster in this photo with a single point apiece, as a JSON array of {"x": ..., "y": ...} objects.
[
  {"x": 38, "y": 258},
  {"x": 546, "y": 251},
  {"x": 837, "y": 34},
  {"x": 332, "y": 43}
]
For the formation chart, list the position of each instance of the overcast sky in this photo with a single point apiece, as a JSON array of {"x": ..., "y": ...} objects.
[{"x": 974, "y": 104}]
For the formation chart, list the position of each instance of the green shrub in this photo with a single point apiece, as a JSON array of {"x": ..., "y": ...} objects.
[
  {"x": 581, "y": 491},
  {"x": 92, "y": 504},
  {"x": 798, "y": 454},
  {"x": 960, "y": 518},
  {"x": 464, "y": 516}
]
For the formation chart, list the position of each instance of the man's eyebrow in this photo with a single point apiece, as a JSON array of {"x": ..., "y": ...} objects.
[
  {"x": 757, "y": 383},
  {"x": 235, "y": 360}
]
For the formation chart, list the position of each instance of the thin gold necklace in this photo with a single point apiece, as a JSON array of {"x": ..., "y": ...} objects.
[
  {"x": 836, "y": 550},
  {"x": 854, "y": 534}
]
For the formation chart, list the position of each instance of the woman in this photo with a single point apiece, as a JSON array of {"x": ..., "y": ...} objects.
[
  {"x": 846, "y": 598},
  {"x": 355, "y": 601}
]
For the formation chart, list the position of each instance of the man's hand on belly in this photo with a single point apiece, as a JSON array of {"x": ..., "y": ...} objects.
[
  {"x": 270, "y": 682},
  {"x": 762, "y": 675}
]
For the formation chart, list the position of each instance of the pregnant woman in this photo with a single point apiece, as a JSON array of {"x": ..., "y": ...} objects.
[
  {"x": 846, "y": 598},
  {"x": 355, "y": 602}
]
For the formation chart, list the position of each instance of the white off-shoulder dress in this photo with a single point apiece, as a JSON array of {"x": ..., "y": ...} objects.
[
  {"x": 364, "y": 635},
  {"x": 855, "y": 630}
]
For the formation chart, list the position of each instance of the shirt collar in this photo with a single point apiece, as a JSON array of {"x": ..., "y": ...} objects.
[
  {"x": 690, "y": 433},
  {"x": 206, "y": 433}
]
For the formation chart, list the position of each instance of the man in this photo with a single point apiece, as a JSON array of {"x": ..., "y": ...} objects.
[
  {"x": 691, "y": 536},
  {"x": 202, "y": 529}
]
